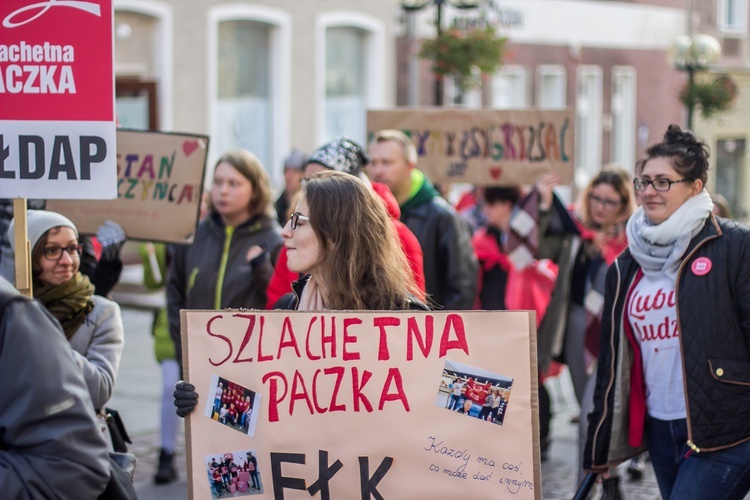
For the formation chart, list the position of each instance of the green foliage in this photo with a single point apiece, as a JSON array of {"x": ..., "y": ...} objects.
[
  {"x": 711, "y": 97},
  {"x": 457, "y": 52}
]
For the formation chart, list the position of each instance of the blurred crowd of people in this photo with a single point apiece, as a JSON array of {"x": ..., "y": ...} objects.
[{"x": 363, "y": 228}]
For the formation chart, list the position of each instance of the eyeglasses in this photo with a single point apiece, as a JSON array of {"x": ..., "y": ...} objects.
[
  {"x": 295, "y": 218},
  {"x": 660, "y": 184},
  {"x": 55, "y": 252},
  {"x": 603, "y": 202}
]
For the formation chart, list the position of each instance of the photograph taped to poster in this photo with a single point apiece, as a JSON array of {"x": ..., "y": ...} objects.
[
  {"x": 159, "y": 188},
  {"x": 468, "y": 390},
  {"x": 233, "y": 405},
  {"x": 484, "y": 146},
  {"x": 233, "y": 474},
  {"x": 354, "y": 394}
]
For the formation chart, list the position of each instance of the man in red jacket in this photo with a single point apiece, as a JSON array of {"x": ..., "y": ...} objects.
[{"x": 345, "y": 155}]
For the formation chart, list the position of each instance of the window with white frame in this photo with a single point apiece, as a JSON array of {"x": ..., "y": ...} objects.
[
  {"x": 588, "y": 136},
  {"x": 509, "y": 88},
  {"x": 244, "y": 110},
  {"x": 733, "y": 17},
  {"x": 345, "y": 83},
  {"x": 551, "y": 87},
  {"x": 623, "y": 116},
  {"x": 350, "y": 73}
]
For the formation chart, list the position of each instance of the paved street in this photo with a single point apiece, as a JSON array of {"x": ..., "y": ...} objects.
[{"x": 137, "y": 396}]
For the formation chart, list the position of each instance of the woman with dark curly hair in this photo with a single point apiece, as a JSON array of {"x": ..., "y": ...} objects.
[{"x": 674, "y": 365}]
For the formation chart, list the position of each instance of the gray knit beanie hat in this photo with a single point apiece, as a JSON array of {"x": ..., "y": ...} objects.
[{"x": 39, "y": 222}]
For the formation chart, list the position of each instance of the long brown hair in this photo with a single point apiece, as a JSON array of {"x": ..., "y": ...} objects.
[{"x": 362, "y": 264}]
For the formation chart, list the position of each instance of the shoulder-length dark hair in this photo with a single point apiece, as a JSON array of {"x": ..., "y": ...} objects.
[
  {"x": 362, "y": 264},
  {"x": 247, "y": 164}
]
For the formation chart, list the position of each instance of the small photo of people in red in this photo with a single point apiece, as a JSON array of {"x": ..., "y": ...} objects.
[
  {"x": 233, "y": 474},
  {"x": 233, "y": 405},
  {"x": 467, "y": 390}
]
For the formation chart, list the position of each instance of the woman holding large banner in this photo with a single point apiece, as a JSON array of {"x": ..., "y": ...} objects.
[
  {"x": 231, "y": 260},
  {"x": 92, "y": 324},
  {"x": 341, "y": 238},
  {"x": 674, "y": 362}
]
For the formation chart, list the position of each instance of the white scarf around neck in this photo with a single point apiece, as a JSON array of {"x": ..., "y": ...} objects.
[{"x": 659, "y": 248}]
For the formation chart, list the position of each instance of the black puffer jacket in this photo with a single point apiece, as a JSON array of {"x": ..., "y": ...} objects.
[
  {"x": 213, "y": 272},
  {"x": 713, "y": 317}
]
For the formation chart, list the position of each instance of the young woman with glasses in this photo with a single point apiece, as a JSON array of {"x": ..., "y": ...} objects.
[
  {"x": 674, "y": 367},
  {"x": 345, "y": 155},
  {"x": 92, "y": 324},
  {"x": 341, "y": 238}
]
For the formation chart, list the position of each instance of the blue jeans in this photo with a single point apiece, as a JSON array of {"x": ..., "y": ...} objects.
[{"x": 685, "y": 475}]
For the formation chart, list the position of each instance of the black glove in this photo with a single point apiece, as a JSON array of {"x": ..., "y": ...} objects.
[{"x": 185, "y": 398}]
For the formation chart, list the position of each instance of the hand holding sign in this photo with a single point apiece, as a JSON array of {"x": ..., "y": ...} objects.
[{"x": 185, "y": 398}]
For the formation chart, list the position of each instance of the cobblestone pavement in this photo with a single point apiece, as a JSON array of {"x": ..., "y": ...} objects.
[
  {"x": 137, "y": 396},
  {"x": 560, "y": 471}
]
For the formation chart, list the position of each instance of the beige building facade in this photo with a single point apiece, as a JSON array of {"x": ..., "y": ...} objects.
[
  {"x": 608, "y": 61},
  {"x": 266, "y": 75}
]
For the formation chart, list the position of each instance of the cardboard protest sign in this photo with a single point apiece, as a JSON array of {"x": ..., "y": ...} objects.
[
  {"x": 159, "y": 188},
  {"x": 350, "y": 405},
  {"x": 483, "y": 146},
  {"x": 57, "y": 118}
]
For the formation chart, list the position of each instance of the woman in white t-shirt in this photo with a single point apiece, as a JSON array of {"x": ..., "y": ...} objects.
[{"x": 674, "y": 365}]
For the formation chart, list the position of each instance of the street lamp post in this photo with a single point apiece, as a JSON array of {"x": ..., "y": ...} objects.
[
  {"x": 415, "y": 5},
  {"x": 693, "y": 54}
]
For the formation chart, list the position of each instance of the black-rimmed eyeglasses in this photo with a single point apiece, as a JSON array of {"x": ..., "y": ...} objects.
[
  {"x": 295, "y": 218},
  {"x": 54, "y": 252},
  {"x": 660, "y": 183}
]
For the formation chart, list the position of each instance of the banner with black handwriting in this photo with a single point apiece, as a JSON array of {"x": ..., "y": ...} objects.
[
  {"x": 350, "y": 405},
  {"x": 483, "y": 146},
  {"x": 159, "y": 188}
]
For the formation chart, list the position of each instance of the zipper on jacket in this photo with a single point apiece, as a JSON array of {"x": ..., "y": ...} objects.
[
  {"x": 228, "y": 233},
  {"x": 612, "y": 368},
  {"x": 682, "y": 349}
]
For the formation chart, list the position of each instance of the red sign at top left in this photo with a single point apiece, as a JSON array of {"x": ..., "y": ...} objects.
[{"x": 56, "y": 60}]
